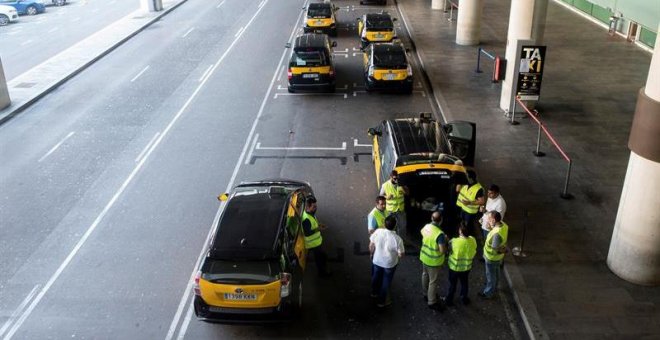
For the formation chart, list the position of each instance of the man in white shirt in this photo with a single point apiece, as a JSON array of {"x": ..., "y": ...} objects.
[
  {"x": 495, "y": 202},
  {"x": 386, "y": 248}
]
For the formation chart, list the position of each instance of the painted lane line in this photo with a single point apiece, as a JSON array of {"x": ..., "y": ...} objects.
[
  {"x": 56, "y": 146},
  {"x": 153, "y": 139},
  {"x": 188, "y": 32},
  {"x": 188, "y": 289},
  {"x": 116, "y": 196},
  {"x": 139, "y": 74},
  {"x": 26, "y": 42},
  {"x": 249, "y": 156},
  {"x": 230, "y": 184},
  {"x": 220, "y": 4},
  {"x": 342, "y": 51},
  {"x": 262, "y": 3},
  {"x": 186, "y": 322},
  {"x": 18, "y": 310},
  {"x": 280, "y": 75},
  {"x": 355, "y": 144},
  {"x": 240, "y": 30},
  {"x": 259, "y": 147},
  {"x": 206, "y": 73}
]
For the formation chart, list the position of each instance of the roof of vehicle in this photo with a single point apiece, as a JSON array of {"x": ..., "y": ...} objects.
[
  {"x": 388, "y": 48},
  {"x": 378, "y": 20},
  {"x": 311, "y": 40},
  {"x": 415, "y": 135},
  {"x": 316, "y": 5}
]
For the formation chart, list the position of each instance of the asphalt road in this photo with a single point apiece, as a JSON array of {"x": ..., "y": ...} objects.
[
  {"x": 109, "y": 184},
  {"x": 33, "y": 39}
]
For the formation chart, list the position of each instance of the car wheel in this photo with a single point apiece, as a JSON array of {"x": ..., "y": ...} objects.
[
  {"x": 4, "y": 20},
  {"x": 31, "y": 10},
  {"x": 291, "y": 90}
]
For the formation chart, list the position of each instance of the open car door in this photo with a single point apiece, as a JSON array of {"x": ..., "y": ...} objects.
[{"x": 462, "y": 137}]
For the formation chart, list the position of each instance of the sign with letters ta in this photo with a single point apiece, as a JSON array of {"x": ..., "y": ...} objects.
[{"x": 530, "y": 72}]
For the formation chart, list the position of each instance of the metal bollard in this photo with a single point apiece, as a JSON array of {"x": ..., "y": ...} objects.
[
  {"x": 519, "y": 251},
  {"x": 538, "y": 153}
]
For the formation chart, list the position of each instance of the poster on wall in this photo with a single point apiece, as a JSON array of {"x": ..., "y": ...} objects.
[{"x": 530, "y": 72}]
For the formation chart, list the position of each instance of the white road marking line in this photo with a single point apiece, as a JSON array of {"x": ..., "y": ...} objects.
[
  {"x": 188, "y": 289},
  {"x": 509, "y": 315},
  {"x": 206, "y": 73},
  {"x": 262, "y": 3},
  {"x": 280, "y": 74},
  {"x": 186, "y": 322},
  {"x": 139, "y": 74},
  {"x": 153, "y": 139},
  {"x": 342, "y": 51},
  {"x": 18, "y": 310},
  {"x": 259, "y": 147},
  {"x": 56, "y": 146},
  {"x": 240, "y": 30},
  {"x": 26, "y": 42},
  {"x": 356, "y": 53},
  {"x": 53, "y": 29},
  {"x": 119, "y": 192},
  {"x": 357, "y": 49},
  {"x": 249, "y": 156},
  {"x": 188, "y": 32},
  {"x": 355, "y": 144},
  {"x": 220, "y": 4}
]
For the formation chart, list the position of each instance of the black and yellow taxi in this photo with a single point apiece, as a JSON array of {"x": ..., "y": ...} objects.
[
  {"x": 430, "y": 158},
  {"x": 320, "y": 18},
  {"x": 253, "y": 270},
  {"x": 386, "y": 67},
  {"x": 311, "y": 66},
  {"x": 375, "y": 28}
]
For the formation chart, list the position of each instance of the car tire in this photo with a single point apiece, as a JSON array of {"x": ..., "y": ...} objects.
[
  {"x": 31, "y": 10},
  {"x": 4, "y": 20},
  {"x": 291, "y": 90}
]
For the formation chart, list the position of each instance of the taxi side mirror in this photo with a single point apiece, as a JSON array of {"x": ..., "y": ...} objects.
[
  {"x": 334, "y": 44},
  {"x": 223, "y": 198},
  {"x": 374, "y": 132}
]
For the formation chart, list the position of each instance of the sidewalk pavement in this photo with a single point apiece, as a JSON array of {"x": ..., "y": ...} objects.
[
  {"x": 590, "y": 84},
  {"x": 563, "y": 287},
  {"x": 30, "y": 86}
]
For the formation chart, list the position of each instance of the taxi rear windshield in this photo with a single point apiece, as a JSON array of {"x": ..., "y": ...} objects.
[
  {"x": 379, "y": 25},
  {"x": 319, "y": 11},
  {"x": 309, "y": 58},
  {"x": 390, "y": 59}
]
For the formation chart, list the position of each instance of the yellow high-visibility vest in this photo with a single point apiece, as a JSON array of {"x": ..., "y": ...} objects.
[{"x": 314, "y": 240}]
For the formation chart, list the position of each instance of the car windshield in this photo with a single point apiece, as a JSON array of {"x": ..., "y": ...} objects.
[
  {"x": 390, "y": 58},
  {"x": 319, "y": 11},
  {"x": 308, "y": 58}
]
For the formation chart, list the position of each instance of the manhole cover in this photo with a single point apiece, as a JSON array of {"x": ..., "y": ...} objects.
[{"x": 25, "y": 85}]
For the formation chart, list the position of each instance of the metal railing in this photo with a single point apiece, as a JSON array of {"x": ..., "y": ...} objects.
[{"x": 538, "y": 152}]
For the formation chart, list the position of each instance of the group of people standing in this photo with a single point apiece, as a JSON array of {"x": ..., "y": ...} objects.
[{"x": 387, "y": 247}]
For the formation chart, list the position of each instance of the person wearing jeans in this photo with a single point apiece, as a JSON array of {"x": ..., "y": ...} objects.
[
  {"x": 386, "y": 248},
  {"x": 494, "y": 250}
]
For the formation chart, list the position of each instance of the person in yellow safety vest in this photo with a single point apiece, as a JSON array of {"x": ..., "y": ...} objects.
[
  {"x": 395, "y": 200},
  {"x": 494, "y": 250},
  {"x": 470, "y": 198},
  {"x": 461, "y": 253},
  {"x": 313, "y": 239},
  {"x": 376, "y": 217},
  {"x": 432, "y": 255}
]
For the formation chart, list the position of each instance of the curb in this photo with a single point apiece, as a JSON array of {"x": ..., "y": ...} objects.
[
  {"x": 13, "y": 111},
  {"x": 524, "y": 302}
]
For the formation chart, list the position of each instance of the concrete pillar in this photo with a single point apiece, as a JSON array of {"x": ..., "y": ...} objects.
[
  {"x": 635, "y": 246},
  {"x": 468, "y": 28},
  {"x": 151, "y": 5},
  {"x": 4, "y": 89},
  {"x": 520, "y": 27},
  {"x": 538, "y": 23},
  {"x": 438, "y": 4}
]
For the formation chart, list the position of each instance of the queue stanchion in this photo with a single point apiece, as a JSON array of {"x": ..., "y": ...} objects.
[
  {"x": 513, "y": 113},
  {"x": 478, "y": 59},
  {"x": 565, "y": 194},
  {"x": 538, "y": 153},
  {"x": 520, "y": 251}
]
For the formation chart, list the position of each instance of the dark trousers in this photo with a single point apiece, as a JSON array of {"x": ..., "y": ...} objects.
[
  {"x": 470, "y": 221},
  {"x": 381, "y": 280},
  {"x": 321, "y": 260},
  {"x": 454, "y": 277}
]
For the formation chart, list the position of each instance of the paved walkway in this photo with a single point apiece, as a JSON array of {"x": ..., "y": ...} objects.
[
  {"x": 588, "y": 97},
  {"x": 591, "y": 80}
]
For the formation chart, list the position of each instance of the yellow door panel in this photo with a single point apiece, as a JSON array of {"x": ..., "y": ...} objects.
[
  {"x": 240, "y": 296},
  {"x": 300, "y": 250},
  {"x": 376, "y": 155}
]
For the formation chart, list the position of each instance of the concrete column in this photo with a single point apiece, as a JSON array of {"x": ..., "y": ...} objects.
[
  {"x": 4, "y": 89},
  {"x": 438, "y": 4},
  {"x": 520, "y": 27},
  {"x": 635, "y": 246},
  {"x": 468, "y": 28},
  {"x": 151, "y": 5},
  {"x": 538, "y": 23}
]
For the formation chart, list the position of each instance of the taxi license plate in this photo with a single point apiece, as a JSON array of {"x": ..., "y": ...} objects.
[
  {"x": 240, "y": 297},
  {"x": 310, "y": 75},
  {"x": 379, "y": 36},
  {"x": 389, "y": 76}
]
